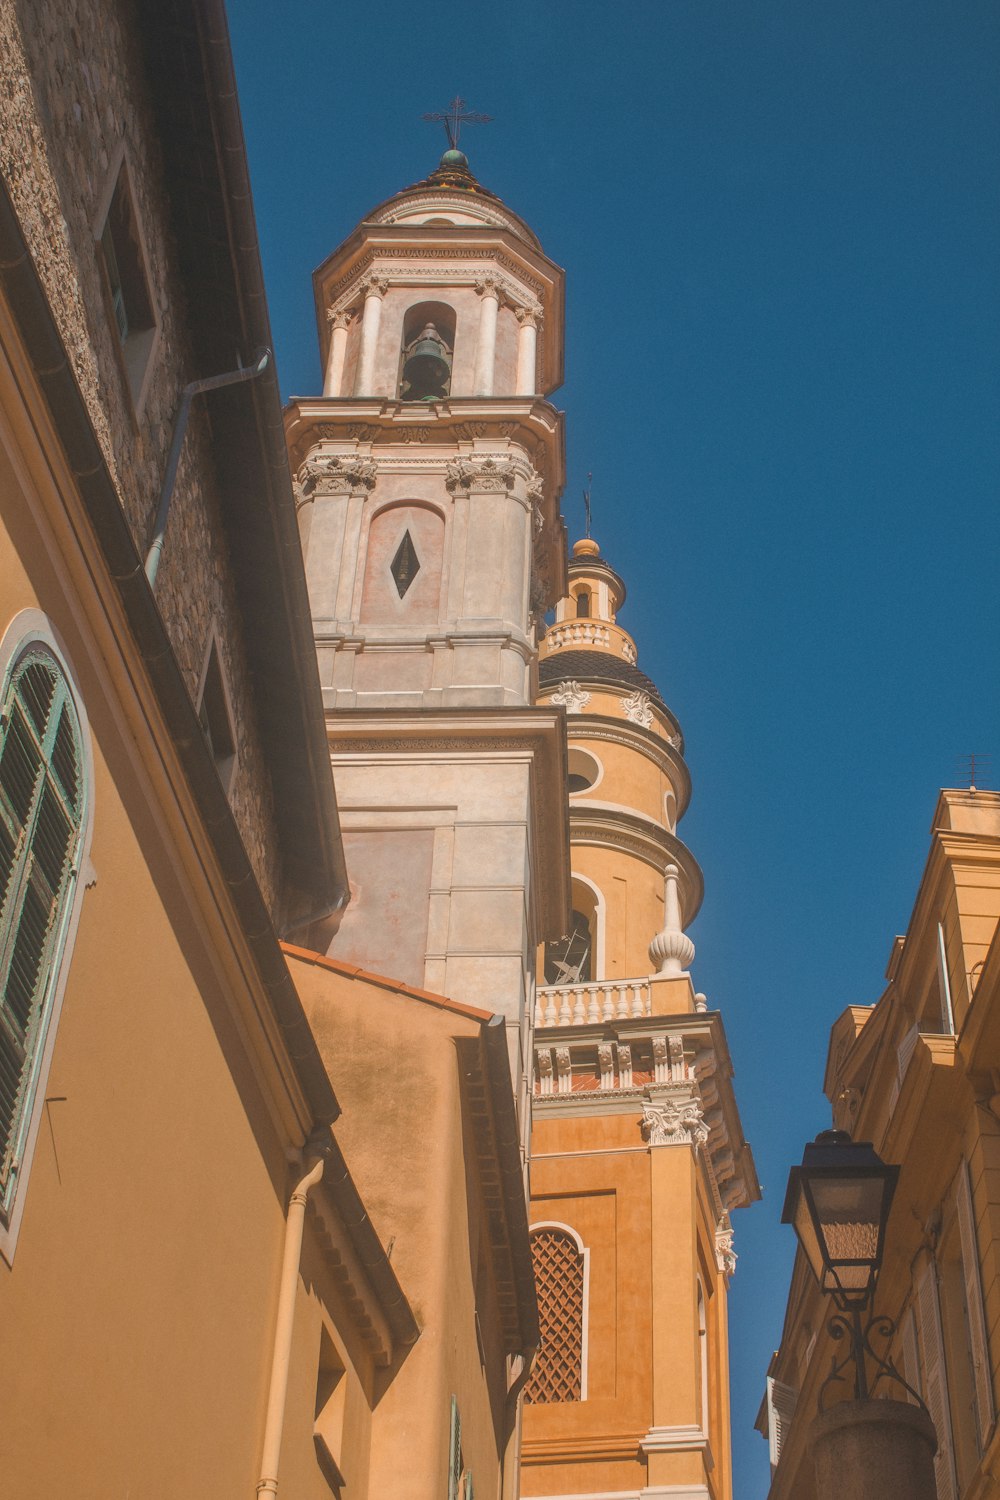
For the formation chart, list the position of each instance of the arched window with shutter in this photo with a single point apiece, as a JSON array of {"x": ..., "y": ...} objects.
[
  {"x": 44, "y": 793},
  {"x": 560, "y": 1262}
]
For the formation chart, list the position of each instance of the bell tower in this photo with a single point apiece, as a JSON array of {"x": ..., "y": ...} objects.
[
  {"x": 638, "y": 1155},
  {"x": 428, "y": 475}
]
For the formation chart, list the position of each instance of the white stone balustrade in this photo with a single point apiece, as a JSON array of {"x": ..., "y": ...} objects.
[
  {"x": 585, "y": 1004},
  {"x": 577, "y": 633}
]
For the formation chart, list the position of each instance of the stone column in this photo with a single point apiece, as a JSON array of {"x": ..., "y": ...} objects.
[
  {"x": 374, "y": 291},
  {"x": 489, "y": 291},
  {"x": 868, "y": 1450},
  {"x": 334, "y": 380},
  {"x": 527, "y": 343}
]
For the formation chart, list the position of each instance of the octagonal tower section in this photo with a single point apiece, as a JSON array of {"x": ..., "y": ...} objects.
[
  {"x": 638, "y": 1154},
  {"x": 428, "y": 476}
]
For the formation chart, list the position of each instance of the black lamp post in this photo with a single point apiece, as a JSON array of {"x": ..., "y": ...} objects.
[{"x": 838, "y": 1204}]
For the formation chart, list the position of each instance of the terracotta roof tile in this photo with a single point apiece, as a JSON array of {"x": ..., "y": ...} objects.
[{"x": 385, "y": 982}]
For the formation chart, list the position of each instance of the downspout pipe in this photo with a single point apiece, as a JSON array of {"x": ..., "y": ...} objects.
[
  {"x": 194, "y": 388},
  {"x": 315, "y": 1153},
  {"x": 510, "y": 1420}
]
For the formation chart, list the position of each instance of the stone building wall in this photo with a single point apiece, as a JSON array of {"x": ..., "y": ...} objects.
[{"x": 74, "y": 90}]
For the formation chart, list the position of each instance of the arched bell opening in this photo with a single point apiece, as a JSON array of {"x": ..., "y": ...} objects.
[
  {"x": 574, "y": 958},
  {"x": 428, "y": 346}
]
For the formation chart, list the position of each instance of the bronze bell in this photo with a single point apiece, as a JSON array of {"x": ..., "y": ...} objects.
[{"x": 427, "y": 367}]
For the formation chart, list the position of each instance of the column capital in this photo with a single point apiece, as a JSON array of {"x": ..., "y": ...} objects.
[
  {"x": 337, "y": 475},
  {"x": 497, "y": 474},
  {"x": 674, "y": 1120},
  {"x": 373, "y": 286},
  {"x": 339, "y": 317},
  {"x": 529, "y": 315}
]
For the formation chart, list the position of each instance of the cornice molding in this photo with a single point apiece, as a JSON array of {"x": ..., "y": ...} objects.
[{"x": 464, "y": 266}]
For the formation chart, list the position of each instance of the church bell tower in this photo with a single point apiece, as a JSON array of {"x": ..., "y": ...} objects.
[{"x": 428, "y": 475}]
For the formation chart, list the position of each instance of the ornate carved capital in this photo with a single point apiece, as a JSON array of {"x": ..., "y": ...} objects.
[
  {"x": 572, "y": 696},
  {"x": 490, "y": 286},
  {"x": 373, "y": 286},
  {"x": 338, "y": 474},
  {"x": 530, "y": 313},
  {"x": 490, "y": 474},
  {"x": 674, "y": 1122},
  {"x": 339, "y": 317}
]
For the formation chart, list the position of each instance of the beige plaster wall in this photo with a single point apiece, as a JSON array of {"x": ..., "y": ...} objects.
[
  {"x": 139, "y": 1305},
  {"x": 397, "y": 1061}
]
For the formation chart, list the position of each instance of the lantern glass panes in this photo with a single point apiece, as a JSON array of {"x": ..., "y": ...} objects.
[{"x": 838, "y": 1203}]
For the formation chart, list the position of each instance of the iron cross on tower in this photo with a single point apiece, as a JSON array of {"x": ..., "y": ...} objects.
[{"x": 453, "y": 118}]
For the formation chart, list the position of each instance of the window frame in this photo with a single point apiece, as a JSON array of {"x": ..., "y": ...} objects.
[
  {"x": 136, "y": 365},
  {"x": 226, "y": 766},
  {"x": 27, "y": 630}
]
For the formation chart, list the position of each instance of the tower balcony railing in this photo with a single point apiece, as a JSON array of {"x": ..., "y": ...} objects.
[
  {"x": 591, "y": 1003},
  {"x": 587, "y": 633}
]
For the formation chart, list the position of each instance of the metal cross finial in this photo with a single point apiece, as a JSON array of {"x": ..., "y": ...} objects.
[
  {"x": 586, "y": 501},
  {"x": 454, "y": 117}
]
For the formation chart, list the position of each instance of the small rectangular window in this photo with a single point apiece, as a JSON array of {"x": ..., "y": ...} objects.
[
  {"x": 127, "y": 284},
  {"x": 215, "y": 716}
]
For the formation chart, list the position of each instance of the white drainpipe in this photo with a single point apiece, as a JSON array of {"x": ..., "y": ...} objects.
[{"x": 267, "y": 1485}]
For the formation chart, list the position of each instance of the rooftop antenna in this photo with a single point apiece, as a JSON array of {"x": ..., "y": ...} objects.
[
  {"x": 975, "y": 768},
  {"x": 586, "y": 503},
  {"x": 453, "y": 118}
]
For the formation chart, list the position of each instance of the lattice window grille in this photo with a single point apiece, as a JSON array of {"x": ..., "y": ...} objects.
[{"x": 559, "y": 1277}]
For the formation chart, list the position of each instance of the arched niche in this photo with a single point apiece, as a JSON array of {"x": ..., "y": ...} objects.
[
  {"x": 404, "y": 560},
  {"x": 423, "y": 317}
]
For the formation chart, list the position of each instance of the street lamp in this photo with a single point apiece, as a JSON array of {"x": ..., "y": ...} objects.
[{"x": 838, "y": 1203}]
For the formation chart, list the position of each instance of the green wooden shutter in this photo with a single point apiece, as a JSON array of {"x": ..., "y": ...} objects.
[
  {"x": 40, "y": 822},
  {"x": 454, "y": 1451}
]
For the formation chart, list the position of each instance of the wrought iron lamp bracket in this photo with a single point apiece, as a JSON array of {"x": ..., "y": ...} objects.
[{"x": 847, "y": 1325}]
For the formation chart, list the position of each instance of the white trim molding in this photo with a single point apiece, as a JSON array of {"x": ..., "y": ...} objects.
[
  {"x": 648, "y": 1492},
  {"x": 687, "y": 1438}
]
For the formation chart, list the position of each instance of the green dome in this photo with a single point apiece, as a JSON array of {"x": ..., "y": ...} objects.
[{"x": 454, "y": 158}]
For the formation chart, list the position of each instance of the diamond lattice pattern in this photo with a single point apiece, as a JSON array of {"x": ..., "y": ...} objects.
[{"x": 558, "y": 1372}]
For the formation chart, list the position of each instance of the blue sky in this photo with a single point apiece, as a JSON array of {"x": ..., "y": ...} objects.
[{"x": 780, "y": 225}]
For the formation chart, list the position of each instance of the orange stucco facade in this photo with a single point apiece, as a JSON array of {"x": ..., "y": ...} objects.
[{"x": 638, "y": 1158}]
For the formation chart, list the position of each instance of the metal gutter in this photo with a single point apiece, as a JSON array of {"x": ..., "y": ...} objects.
[
  {"x": 508, "y": 1141},
  {"x": 47, "y": 355},
  {"x": 193, "y": 87}
]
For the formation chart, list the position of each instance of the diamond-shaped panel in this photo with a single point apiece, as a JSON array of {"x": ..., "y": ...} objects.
[
  {"x": 405, "y": 565},
  {"x": 558, "y": 1372}
]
